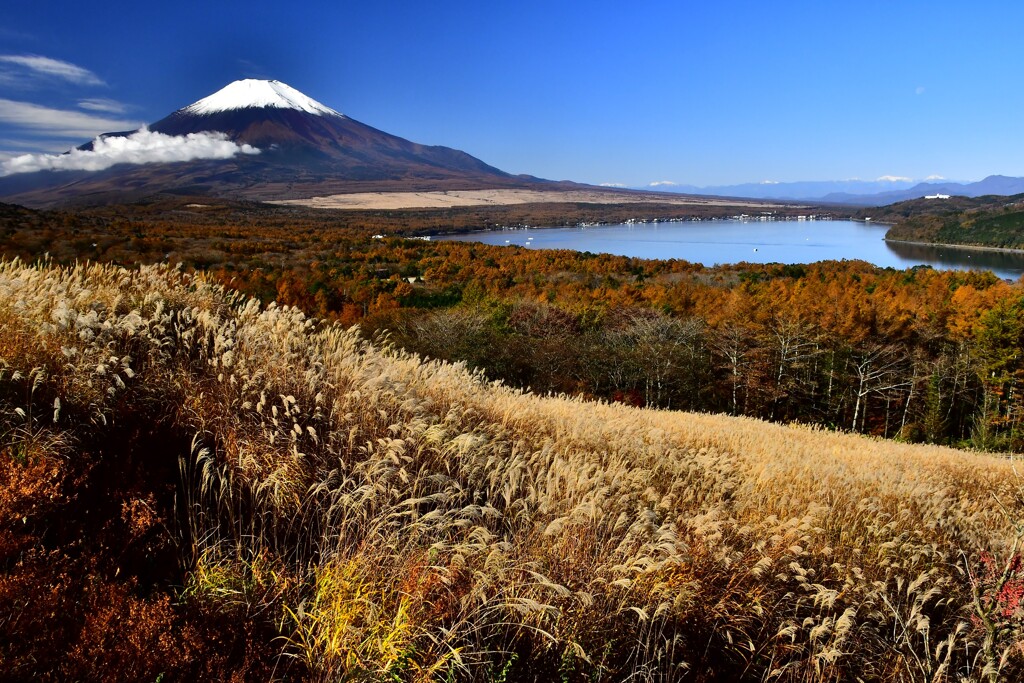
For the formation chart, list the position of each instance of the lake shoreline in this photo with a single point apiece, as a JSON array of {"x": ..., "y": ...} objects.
[
  {"x": 970, "y": 247},
  {"x": 711, "y": 242}
]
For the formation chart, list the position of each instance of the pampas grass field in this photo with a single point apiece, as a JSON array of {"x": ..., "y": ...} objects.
[{"x": 372, "y": 516}]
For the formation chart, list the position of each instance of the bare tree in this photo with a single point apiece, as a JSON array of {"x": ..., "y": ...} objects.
[
  {"x": 878, "y": 369},
  {"x": 733, "y": 342}
]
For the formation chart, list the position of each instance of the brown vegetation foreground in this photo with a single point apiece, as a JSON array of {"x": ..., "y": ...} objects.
[{"x": 196, "y": 486}]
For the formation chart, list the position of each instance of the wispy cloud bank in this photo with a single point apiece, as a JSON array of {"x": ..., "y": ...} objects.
[
  {"x": 64, "y": 122},
  {"x": 102, "y": 104},
  {"x": 612, "y": 185},
  {"x": 56, "y": 68},
  {"x": 33, "y": 145},
  {"x": 141, "y": 147},
  {"x": 662, "y": 183},
  {"x": 935, "y": 177},
  {"x": 61, "y": 102},
  {"x": 893, "y": 179}
]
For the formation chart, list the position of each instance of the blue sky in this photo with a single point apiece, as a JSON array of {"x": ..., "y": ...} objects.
[{"x": 601, "y": 92}]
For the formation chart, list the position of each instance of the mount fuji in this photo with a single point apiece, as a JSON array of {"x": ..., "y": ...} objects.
[{"x": 262, "y": 140}]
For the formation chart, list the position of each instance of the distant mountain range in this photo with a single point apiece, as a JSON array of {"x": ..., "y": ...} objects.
[
  {"x": 254, "y": 139},
  {"x": 857, "y": 192}
]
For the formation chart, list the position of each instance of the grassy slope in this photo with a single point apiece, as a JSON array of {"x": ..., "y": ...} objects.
[{"x": 394, "y": 518}]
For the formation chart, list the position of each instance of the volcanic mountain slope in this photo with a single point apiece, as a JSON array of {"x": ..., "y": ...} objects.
[{"x": 305, "y": 149}]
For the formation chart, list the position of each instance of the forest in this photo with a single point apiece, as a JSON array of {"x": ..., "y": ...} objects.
[
  {"x": 918, "y": 354},
  {"x": 990, "y": 221}
]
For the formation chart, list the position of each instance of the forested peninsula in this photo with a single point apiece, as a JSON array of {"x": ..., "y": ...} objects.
[{"x": 991, "y": 222}]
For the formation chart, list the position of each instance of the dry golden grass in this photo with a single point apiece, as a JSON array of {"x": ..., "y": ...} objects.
[{"x": 405, "y": 520}]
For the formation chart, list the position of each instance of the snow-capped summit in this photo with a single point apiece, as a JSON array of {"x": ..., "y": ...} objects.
[{"x": 252, "y": 93}]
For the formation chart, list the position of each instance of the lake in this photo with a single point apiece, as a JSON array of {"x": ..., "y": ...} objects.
[{"x": 713, "y": 242}]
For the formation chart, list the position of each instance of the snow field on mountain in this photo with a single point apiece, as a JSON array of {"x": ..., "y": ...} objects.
[{"x": 253, "y": 93}]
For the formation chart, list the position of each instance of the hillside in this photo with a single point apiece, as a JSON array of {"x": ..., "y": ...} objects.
[
  {"x": 1001, "y": 230},
  {"x": 196, "y": 486},
  {"x": 990, "y": 221},
  {"x": 915, "y": 208}
]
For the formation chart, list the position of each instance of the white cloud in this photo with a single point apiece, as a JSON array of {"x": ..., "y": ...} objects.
[
  {"x": 102, "y": 104},
  {"x": 611, "y": 185},
  {"x": 660, "y": 183},
  {"x": 141, "y": 147},
  {"x": 769, "y": 182},
  {"x": 34, "y": 145},
  {"x": 935, "y": 177},
  {"x": 54, "y": 67},
  {"x": 59, "y": 122},
  {"x": 65, "y": 122},
  {"x": 893, "y": 179}
]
